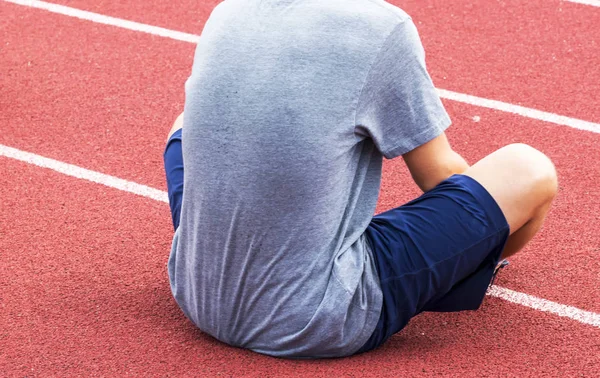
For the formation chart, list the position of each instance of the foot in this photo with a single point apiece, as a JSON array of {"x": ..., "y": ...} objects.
[{"x": 500, "y": 265}]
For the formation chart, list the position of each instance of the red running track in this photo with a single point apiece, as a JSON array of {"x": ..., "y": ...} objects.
[
  {"x": 79, "y": 305},
  {"x": 106, "y": 97},
  {"x": 541, "y": 54},
  {"x": 89, "y": 94}
]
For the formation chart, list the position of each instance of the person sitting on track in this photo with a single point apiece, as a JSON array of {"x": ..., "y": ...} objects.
[{"x": 273, "y": 173}]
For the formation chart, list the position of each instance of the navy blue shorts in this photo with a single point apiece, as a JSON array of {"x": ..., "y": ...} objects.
[
  {"x": 435, "y": 253},
  {"x": 173, "y": 158}
]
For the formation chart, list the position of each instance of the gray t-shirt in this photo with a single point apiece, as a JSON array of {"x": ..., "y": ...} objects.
[{"x": 289, "y": 109}]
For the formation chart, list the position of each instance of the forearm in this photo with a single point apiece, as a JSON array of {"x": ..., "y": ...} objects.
[{"x": 453, "y": 163}]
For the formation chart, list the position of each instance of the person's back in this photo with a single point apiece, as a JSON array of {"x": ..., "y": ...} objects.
[
  {"x": 290, "y": 108},
  {"x": 279, "y": 185}
]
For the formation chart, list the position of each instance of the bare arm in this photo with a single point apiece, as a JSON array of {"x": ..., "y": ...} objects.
[
  {"x": 433, "y": 162},
  {"x": 178, "y": 124}
]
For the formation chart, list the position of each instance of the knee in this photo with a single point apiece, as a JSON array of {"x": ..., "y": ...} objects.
[{"x": 535, "y": 167}]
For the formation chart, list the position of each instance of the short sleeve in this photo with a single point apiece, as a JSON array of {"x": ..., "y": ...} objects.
[{"x": 399, "y": 107}]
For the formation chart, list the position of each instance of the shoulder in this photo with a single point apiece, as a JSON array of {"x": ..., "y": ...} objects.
[
  {"x": 389, "y": 10},
  {"x": 376, "y": 18}
]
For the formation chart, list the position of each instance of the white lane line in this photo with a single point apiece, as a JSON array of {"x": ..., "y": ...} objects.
[
  {"x": 582, "y": 316},
  {"x": 521, "y": 110},
  {"x": 594, "y": 3},
  {"x": 107, "y": 20},
  {"x": 131, "y": 187},
  {"x": 85, "y": 174},
  {"x": 522, "y": 299},
  {"x": 180, "y": 36}
]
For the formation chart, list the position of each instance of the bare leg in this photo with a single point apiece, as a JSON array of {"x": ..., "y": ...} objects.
[
  {"x": 178, "y": 124},
  {"x": 523, "y": 182}
]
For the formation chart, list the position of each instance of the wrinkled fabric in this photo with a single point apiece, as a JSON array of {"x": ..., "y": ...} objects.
[{"x": 289, "y": 110}]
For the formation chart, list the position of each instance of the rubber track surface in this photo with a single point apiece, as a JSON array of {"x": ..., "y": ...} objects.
[
  {"x": 74, "y": 303},
  {"x": 105, "y": 98},
  {"x": 541, "y": 53}
]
